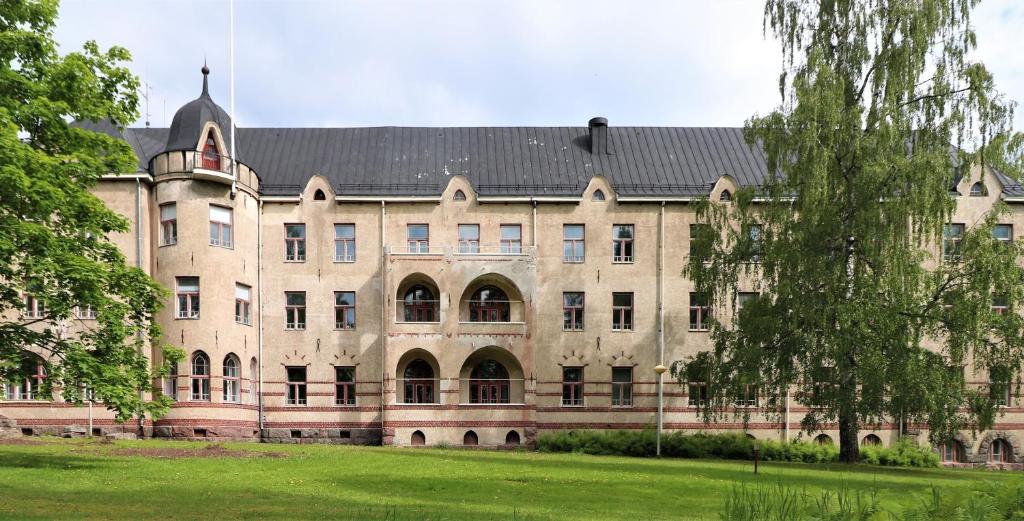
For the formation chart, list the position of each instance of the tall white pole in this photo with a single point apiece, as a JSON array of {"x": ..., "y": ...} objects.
[{"x": 231, "y": 92}]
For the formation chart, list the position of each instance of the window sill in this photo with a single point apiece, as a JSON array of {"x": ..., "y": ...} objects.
[
  {"x": 344, "y": 329},
  {"x": 493, "y": 323},
  {"x": 580, "y": 406},
  {"x": 622, "y": 330},
  {"x": 337, "y": 261},
  {"x": 244, "y": 323},
  {"x": 229, "y": 247},
  {"x": 295, "y": 329},
  {"x": 345, "y": 405},
  {"x": 489, "y": 404},
  {"x": 698, "y": 330},
  {"x": 168, "y": 244},
  {"x": 630, "y": 406},
  {"x": 623, "y": 262},
  {"x": 186, "y": 318},
  {"x": 427, "y": 323},
  {"x": 572, "y": 262},
  {"x": 572, "y": 330},
  {"x": 434, "y": 404},
  {"x": 296, "y": 405},
  {"x": 295, "y": 261}
]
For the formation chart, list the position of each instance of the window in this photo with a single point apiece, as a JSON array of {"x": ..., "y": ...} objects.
[
  {"x": 296, "y": 386},
  {"x": 622, "y": 386},
  {"x": 419, "y": 238},
  {"x": 622, "y": 311},
  {"x": 469, "y": 238},
  {"x": 254, "y": 382},
  {"x": 188, "y": 297},
  {"x": 28, "y": 383},
  {"x": 999, "y": 385},
  {"x": 489, "y": 304},
  {"x": 1000, "y": 451},
  {"x": 573, "y": 243},
  {"x": 170, "y": 387},
  {"x": 232, "y": 379},
  {"x": 295, "y": 242},
  {"x": 459, "y": 196},
  {"x": 295, "y": 310},
  {"x": 754, "y": 234},
  {"x": 211, "y": 157},
  {"x": 168, "y": 224},
  {"x": 697, "y": 375},
  {"x": 700, "y": 241},
  {"x": 220, "y": 226},
  {"x": 420, "y": 305},
  {"x": 34, "y": 308},
  {"x": 200, "y": 377},
  {"x": 952, "y": 235},
  {"x": 344, "y": 310},
  {"x": 744, "y": 298},
  {"x": 572, "y": 386},
  {"x": 1000, "y": 304},
  {"x": 622, "y": 243},
  {"x": 489, "y": 383},
  {"x": 700, "y": 312},
  {"x": 952, "y": 452},
  {"x": 725, "y": 197},
  {"x": 319, "y": 195},
  {"x": 511, "y": 238},
  {"x": 572, "y": 311},
  {"x": 748, "y": 396},
  {"x": 243, "y": 304},
  {"x": 85, "y": 312},
  {"x": 978, "y": 190},
  {"x": 598, "y": 195},
  {"x": 821, "y": 380},
  {"x": 419, "y": 382},
  {"x": 344, "y": 243},
  {"x": 1003, "y": 232},
  {"x": 823, "y": 439},
  {"x": 344, "y": 386}
]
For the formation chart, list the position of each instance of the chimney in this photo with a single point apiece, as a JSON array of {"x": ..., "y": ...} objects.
[{"x": 598, "y": 135}]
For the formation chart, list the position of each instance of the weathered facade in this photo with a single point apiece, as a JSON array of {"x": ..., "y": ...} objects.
[{"x": 439, "y": 285}]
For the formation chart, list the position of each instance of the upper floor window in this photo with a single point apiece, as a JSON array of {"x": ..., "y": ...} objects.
[
  {"x": 28, "y": 382},
  {"x": 296, "y": 385},
  {"x": 622, "y": 311},
  {"x": 86, "y": 312},
  {"x": 952, "y": 236},
  {"x": 295, "y": 310},
  {"x": 1000, "y": 303},
  {"x": 744, "y": 298},
  {"x": 700, "y": 312},
  {"x": 756, "y": 238},
  {"x": 420, "y": 305},
  {"x": 700, "y": 241},
  {"x": 200, "y": 377},
  {"x": 211, "y": 156},
  {"x": 598, "y": 195},
  {"x": 697, "y": 376},
  {"x": 725, "y": 196},
  {"x": 34, "y": 308},
  {"x": 295, "y": 242},
  {"x": 188, "y": 297},
  {"x": 572, "y": 386},
  {"x": 319, "y": 195},
  {"x": 419, "y": 238},
  {"x": 978, "y": 190},
  {"x": 573, "y": 243},
  {"x": 418, "y": 382},
  {"x": 168, "y": 224},
  {"x": 344, "y": 310},
  {"x": 572, "y": 311},
  {"x": 469, "y": 238},
  {"x": 622, "y": 243},
  {"x": 344, "y": 243},
  {"x": 232, "y": 379},
  {"x": 243, "y": 304},
  {"x": 220, "y": 226},
  {"x": 511, "y": 238},
  {"x": 1003, "y": 232},
  {"x": 1000, "y": 380},
  {"x": 622, "y": 386},
  {"x": 459, "y": 196},
  {"x": 489, "y": 383},
  {"x": 489, "y": 304},
  {"x": 170, "y": 387},
  {"x": 344, "y": 385}
]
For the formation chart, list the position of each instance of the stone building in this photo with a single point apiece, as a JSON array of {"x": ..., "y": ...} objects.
[{"x": 416, "y": 286}]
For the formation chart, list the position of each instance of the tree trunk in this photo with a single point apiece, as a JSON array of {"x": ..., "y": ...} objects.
[{"x": 849, "y": 445}]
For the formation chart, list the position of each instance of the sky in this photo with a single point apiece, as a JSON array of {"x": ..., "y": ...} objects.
[{"x": 309, "y": 63}]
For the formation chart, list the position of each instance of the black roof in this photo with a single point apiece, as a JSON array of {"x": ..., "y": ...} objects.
[{"x": 189, "y": 120}]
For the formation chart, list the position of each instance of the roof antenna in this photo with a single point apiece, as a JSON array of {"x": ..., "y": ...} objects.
[{"x": 145, "y": 96}]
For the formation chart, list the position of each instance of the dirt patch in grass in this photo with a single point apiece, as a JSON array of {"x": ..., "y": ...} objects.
[
  {"x": 20, "y": 441},
  {"x": 209, "y": 451}
]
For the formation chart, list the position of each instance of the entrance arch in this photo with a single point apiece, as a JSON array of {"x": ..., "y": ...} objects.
[
  {"x": 417, "y": 382},
  {"x": 491, "y": 375}
]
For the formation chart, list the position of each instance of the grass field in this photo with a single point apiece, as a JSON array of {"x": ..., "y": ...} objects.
[{"x": 64, "y": 479}]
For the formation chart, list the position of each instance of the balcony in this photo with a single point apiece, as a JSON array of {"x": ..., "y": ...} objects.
[
  {"x": 464, "y": 252},
  {"x": 208, "y": 166}
]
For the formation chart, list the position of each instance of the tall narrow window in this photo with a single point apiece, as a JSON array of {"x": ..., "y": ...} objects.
[
  {"x": 572, "y": 386},
  {"x": 296, "y": 385},
  {"x": 511, "y": 238},
  {"x": 622, "y": 311},
  {"x": 243, "y": 304},
  {"x": 700, "y": 312},
  {"x": 168, "y": 224},
  {"x": 622, "y": 386},
  {"x": 999, "y": 385},
  {"x": 573, "y": 245},
  {"x": 756, "y": 237},
  {"x": 1000, "y": 451},
  {"x": 211, "y": 156},
  {"x": 254, "y": 381},
  {"x": 232, "y": 378},
  {"x": 418, "y": 238},
  {"x": 469, "y": 238},
  {"x": 622, "y": 243},
  {"x": 344, "y": 386},
  {"x": 188, "y": 297},
  {"x": 344, "y": 310},
  {"x": 1003, "y": 232},
  {"x": 952, "y": 452},
  {"x": 344, "y": 243},
  {"x": 200, "y": 377},
  {"x": 572, "y": 311},
  {"x": 170, "y": 387},
  {"x": 748, "y": 396},
  {"x": 697, "y": 374},
  {"x": 952, "y": 235},
  {"x": 295, "y": 310},
  {"x": 28, "y": 382},
  {"x": 419, "y": 305},
  {"x": 1000, "y": 303},
  {"x": 34, "y": 308},
  {"x": 744, "y": 298},
  {"x": 220, "y": 226},
  {"x": 700, "y": 241},
  {"x": 295, "y": 242},
  {"x": 418, "y": 382}
]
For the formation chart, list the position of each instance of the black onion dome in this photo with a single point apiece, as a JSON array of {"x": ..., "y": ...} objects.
[{"x": 189, "y": 120}]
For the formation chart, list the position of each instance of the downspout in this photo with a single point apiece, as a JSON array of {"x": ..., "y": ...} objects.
[
  {"x": 259, "y": 298},
  {"x": 661, "y": 323},
  {"x": 383, "y": 318},
  {"x": 533, "y": 231},
  {"x": 138, "y": 264}
]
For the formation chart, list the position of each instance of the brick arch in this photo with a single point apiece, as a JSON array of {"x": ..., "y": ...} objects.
[{"x": 985, "y": 444}]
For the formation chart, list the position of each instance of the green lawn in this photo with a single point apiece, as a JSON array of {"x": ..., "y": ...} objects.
[{"x": 141, "y": 480}]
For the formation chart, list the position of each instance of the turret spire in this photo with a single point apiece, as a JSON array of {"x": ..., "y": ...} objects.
[{"x": 206, "y": 75}]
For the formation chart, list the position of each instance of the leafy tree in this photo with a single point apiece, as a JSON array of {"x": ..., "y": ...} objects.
[
  {"x": 54, "y": 234},
  {"x": 858, "y": 311}
]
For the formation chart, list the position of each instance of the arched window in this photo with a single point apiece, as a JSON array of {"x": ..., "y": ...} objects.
[
  {"x": 459, "y": 196},
  {"x": 419, "y": 382},
  {"x": 418, "y": 439},
  {"x": 211, "y": 157},
  {"x": 512, "y": 438},
  {"x": 871, "y": 439},
  {"x": 420, "y": 305},
  {"x": 254, "y": 386},
  {"x": 598, "y": 195},
  {"x": 1000, "y": 451},
  {"x": 29, "y": 381},
  {"x": 725, "y": 197},
  {"x": 319, "y": 195},
  {"x": 823, "y": 439},
  {"x": 232, "y": 370},
  {"x": 978, "y": 190},
  {"x": 953, "y": 452},
  {"x": 200, "y": 377},
  {"x": 488, "y": 383},
  {"x": 470, "y": 438},
  {"x": 489, "y": 304}
]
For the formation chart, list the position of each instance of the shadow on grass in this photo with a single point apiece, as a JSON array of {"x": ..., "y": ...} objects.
[{"x": 35, "y": 460}]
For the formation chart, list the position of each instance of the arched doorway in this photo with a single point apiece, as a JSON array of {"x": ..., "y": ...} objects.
[
  {"x": 418, "y": 439},
  {"x": 870, "y": 440},
  {"x": 470, "y": 438},
  {"x": 491, "y": 375},
  {"x": 512, "y": 438},
  {"x": 418, "y": 382},
  {"x": 823, "y": 439}
]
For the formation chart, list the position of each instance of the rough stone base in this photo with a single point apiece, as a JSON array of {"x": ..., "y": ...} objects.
[
  {"x": 336, "y": 436},
  {"x": 206, "y": 432}
]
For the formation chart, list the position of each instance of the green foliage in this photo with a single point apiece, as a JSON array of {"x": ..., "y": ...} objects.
[
  {"x": 54, "y": 234},
  {"x": 843, "y": 238}
]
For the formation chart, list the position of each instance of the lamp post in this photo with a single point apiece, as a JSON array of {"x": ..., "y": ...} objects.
[{"x": 660, "y": 371}]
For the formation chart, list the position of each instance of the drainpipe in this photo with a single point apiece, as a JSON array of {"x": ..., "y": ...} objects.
[
  {"x": 661, "y": 325},
  {"x": 259, "y": 293},
  {"x": 383, "y": 317},
  {"x": 533, "y": 231},
  {"x": 138, "y": 264}
]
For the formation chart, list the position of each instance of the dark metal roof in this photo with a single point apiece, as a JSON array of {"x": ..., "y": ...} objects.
[{"x": 189, "y": 120}]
